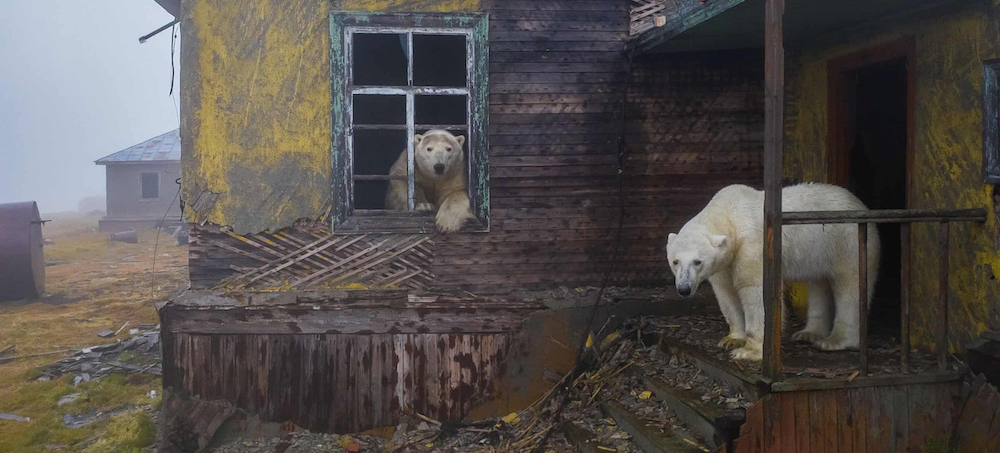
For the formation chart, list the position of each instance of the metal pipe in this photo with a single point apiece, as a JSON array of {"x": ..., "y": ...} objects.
[{"x": 143, "y": 38}]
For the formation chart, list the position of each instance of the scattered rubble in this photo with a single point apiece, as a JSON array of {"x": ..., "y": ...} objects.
[{"x": 95, "y": 362}]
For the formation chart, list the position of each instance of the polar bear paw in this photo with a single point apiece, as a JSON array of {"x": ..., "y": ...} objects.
[
  {"x": 425, "y": 207},
  {"x": 752, "y": 350},
  {"x": 732, "y": 342},
  {"x": 807, "y": 336},
  {"x": 835, "y": 342}
]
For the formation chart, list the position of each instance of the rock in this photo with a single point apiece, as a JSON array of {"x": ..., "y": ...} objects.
[
  {"x": 15, "y": 418},
  {"x": 68, "y": 399},
  {"x": 105, "y": 334}
]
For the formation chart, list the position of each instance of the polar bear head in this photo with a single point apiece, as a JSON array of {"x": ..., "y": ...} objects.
[
  {"x": 438, "y": 154},
  {"x": 694, "y": 256}
]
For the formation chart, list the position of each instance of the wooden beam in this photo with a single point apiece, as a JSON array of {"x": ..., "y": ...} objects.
[
  {"x": 774, "y": 90},
  {"x": 292, "y": 320},
  {"x": 863, "y": 296},
  {"x": 942, "y": 340},
  {"x": 904, "y": 299},
  {"x": 883, "y": 216}
]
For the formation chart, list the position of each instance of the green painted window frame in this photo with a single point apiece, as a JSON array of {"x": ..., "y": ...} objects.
[
  {"x": 344, "y": 219},
  {"x": 991, "y": 121}
]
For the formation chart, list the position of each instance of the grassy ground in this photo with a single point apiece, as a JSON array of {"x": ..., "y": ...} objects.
[{"x": 95, "y": 286}]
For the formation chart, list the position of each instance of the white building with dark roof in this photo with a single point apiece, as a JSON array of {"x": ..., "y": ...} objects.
[{"x": 142, "y": 183}]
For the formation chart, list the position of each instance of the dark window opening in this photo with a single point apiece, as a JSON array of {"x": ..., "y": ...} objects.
[
  {"x": 440, "y": 110},
  {"x": 877, "y": 133},
  {"x": 379, "y": 109},
  {"x": 439, "y": 60},
  {"x": 383, "y": 59},
  {"x": 150, "y": 185}
]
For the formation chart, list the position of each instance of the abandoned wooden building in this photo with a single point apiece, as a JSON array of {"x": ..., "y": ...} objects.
[
  {"x": 141, "y": 184},
  {"x": 585, "y": 121}
]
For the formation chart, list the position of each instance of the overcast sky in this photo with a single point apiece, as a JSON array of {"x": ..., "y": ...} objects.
[{"x": 75, "y": 86}]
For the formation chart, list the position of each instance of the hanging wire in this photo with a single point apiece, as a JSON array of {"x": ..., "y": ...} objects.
[{"x": 622, "y": 147}]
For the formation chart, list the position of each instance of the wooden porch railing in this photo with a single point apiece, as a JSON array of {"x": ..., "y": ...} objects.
[{"x": 905, "y": 217}]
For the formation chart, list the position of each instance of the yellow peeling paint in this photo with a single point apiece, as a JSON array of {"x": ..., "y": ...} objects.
[
  {"x": 255, "y": 105},
  {"x": 947, "y": 165},
  {"x": 256, "y": 100}
]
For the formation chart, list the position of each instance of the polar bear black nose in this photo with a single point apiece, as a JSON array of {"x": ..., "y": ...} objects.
[
  {"x": 439, "y": 168},
  {"x": 684, "y": 290}
]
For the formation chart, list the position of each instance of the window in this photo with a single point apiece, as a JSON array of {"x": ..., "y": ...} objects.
[
  {"x": 991, "y": 122},
  {"x": 150, "y": 185},
  {"x": 395, "y": 77}
]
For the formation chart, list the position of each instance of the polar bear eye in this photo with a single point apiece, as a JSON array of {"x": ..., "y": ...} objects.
[
  {"x": 676, "y": 262},
  {"x": 697, "y": 262},
  {"x": 449, "y": 149},
  {"x": 428, "y": 149}
]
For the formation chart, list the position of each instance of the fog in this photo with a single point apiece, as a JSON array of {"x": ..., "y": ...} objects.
[{"x": 75, "y": 86}]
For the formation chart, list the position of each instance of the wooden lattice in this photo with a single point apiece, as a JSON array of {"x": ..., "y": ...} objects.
[
  {"x": 311, "y": 257},
  {"x": 646, "y": 14}
]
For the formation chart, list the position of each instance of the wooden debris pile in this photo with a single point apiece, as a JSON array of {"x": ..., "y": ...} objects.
[
  {"x": 140, "y": 353},
  {"x": 587, "y": 422}
]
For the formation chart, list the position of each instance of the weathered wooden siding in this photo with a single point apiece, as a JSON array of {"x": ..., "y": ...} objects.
[
  {"x": 912, "y": 418},
  {"x": 338, "y": 382},
  {"x": 557, "y": 76},
  {"x": 946, "y": 169}
]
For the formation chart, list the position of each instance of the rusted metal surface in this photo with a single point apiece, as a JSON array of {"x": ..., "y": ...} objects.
[
  {"x": 22, "y": 258},
  {"x": 774, "y": 87},
  {"x": 338, "y": 383}
]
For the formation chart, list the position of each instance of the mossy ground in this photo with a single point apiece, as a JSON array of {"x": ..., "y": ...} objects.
[{"x": 96, "y": 286}]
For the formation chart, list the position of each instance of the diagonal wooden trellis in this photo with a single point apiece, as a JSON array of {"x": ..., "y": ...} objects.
[
  {"x": 310, "y": 257},
  {"x": 646, "y": 14}
]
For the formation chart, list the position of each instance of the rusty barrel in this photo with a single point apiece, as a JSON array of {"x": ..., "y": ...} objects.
[{"x": 22, "y": 259}]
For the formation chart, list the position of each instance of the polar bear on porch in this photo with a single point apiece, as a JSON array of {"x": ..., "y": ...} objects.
[
  {"x": 440, "y": 180},
  {"x": 724, "y": 245}
]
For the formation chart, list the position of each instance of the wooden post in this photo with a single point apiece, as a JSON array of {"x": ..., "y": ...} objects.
[
  {"x": 904, "y": 298},
  {"x": 942, "y": 340},
  {"x": 863, "y": 296},
  {"x": 774, "y": 90}
]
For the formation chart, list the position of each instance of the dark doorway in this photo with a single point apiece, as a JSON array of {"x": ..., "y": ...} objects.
[{"x": 870, "y": 97}]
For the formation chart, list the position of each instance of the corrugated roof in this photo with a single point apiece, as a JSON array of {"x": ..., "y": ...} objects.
[{"x": 162, "y": 148}]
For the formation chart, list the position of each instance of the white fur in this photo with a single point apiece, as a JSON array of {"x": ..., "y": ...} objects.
[
  {"x": 726, "y": 237},
  {"x": 446, "y": 192}
]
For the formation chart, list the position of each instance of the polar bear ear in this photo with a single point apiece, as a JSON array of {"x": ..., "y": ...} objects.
[
  {"x": 417, "y": 138},
  {"x": 460, "y": 139},
  {"x": 718, "y": 240},
  {"x": 671, "y": 237}
]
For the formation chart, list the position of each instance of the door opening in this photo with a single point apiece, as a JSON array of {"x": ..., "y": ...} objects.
[{"x": 870, "y": 124}]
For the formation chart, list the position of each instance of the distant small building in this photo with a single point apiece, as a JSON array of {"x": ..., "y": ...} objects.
[{"x": 142, "y": 184}]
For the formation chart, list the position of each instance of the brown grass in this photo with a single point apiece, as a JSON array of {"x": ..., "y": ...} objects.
[{"x": 100, "y": 286}]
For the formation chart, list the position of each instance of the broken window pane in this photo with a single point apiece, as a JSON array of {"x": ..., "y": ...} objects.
[
  {"x": 370, "y": 194},
  {"x": 376, "y": 150},
  {"x": 379, "y": 59},
  {"x": 379, "y": 109},
  {"x": 439, "y": 109},
  {"x": 439, "y": 60}
]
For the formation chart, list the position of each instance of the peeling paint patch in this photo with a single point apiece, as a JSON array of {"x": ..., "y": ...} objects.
[{"x": 256, "y": 100}]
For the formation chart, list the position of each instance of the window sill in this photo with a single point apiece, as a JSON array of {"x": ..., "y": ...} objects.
[{"x": 400, "y": 222}]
